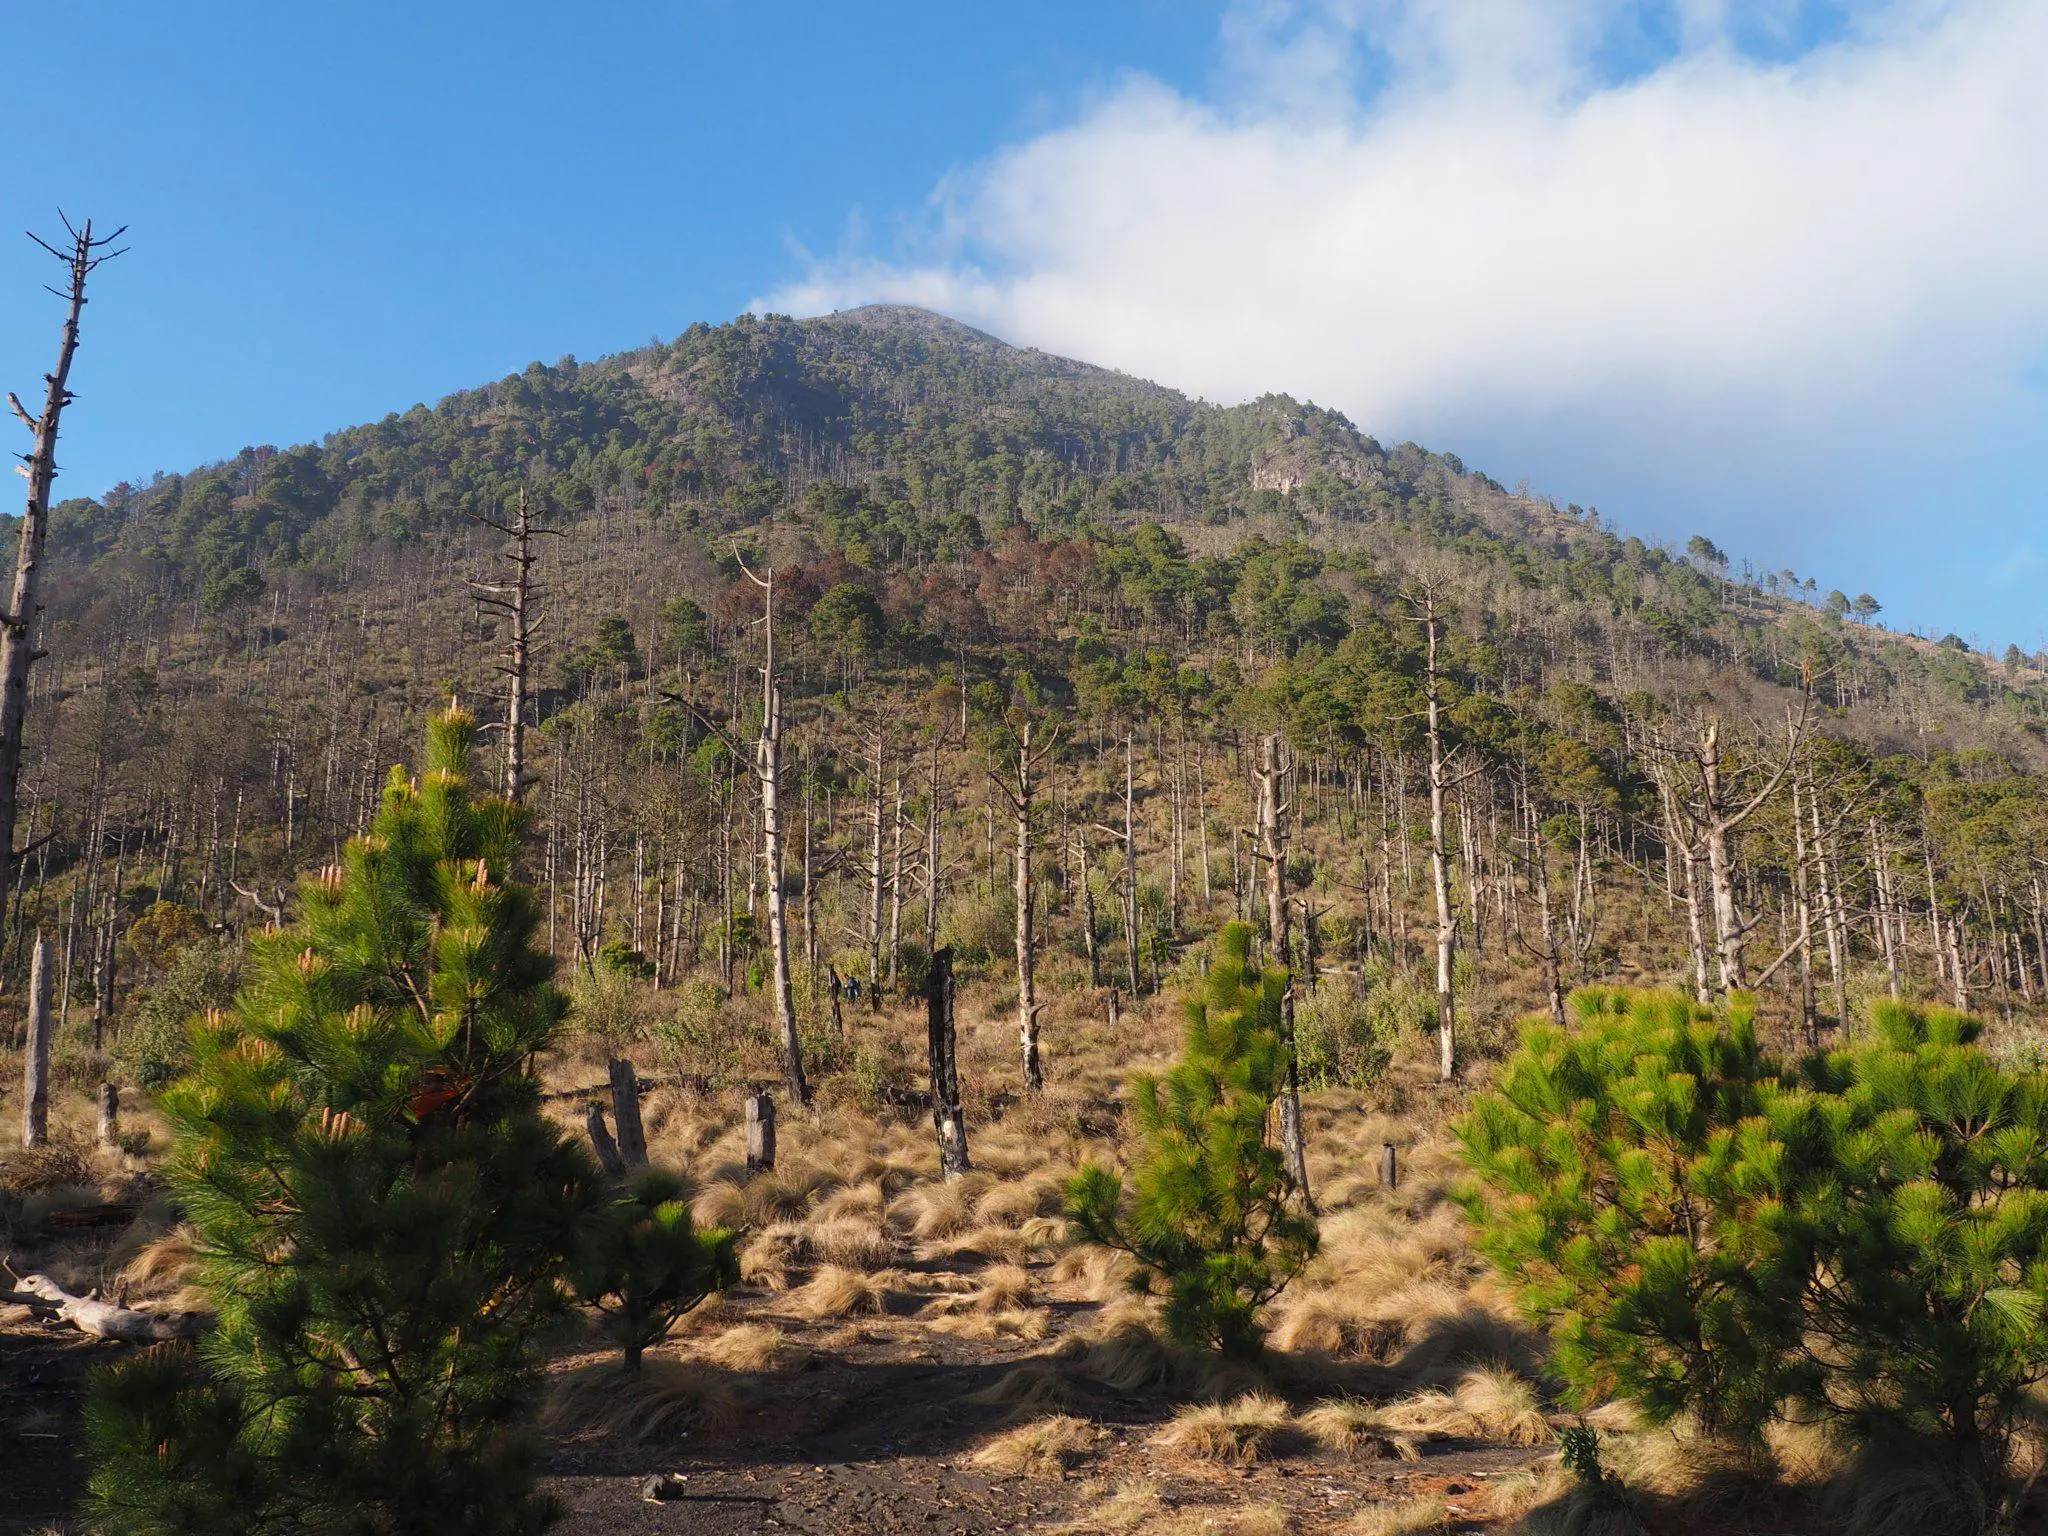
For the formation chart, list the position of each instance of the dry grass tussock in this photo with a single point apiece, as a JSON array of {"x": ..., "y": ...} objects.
[
  {"x": 733, "y": 1198},
  {"x": 1100, "y": 1273},
  {"x": 662, "y": 1400},
  {"x": 1128, "y": 1506},
  {"x": 835, "y": 1291},
  {"x": 65, "y": 1161},
  {"x": 1041, "y": 1448},
  {"x": 1018, "y": 1323},
  {"x": 1490, "y": 1403},
  {"x": 1246, "y": 1429},
  {"x": 940, "y": 1209},
  {"x": 1426, "y": 1514},
  {"x": 160, "y": 1266},
  {"x": 756, "y": 1347},
  {"x": 1349, "y": 1427},
  {"x": 1001, "y": 1245},
  {"x": 1000, "y": 1288}
]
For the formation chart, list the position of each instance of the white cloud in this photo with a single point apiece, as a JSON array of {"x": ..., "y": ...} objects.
[{"x": 1442, "y": 216}]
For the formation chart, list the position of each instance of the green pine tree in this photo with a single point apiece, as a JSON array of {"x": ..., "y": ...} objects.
[
  {"x": 643, "y": 1265},
  {"x": 1929, "y": 1335},
  {"x": 1211, "y": 1213},
  {"x": 384, "y": 1217},
  {"x": 1629, "y": 1183},
  {"x": 1863, "y": 1240}
]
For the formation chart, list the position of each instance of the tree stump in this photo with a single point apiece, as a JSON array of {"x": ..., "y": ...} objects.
[
  {"x": 945, "y": 1070},
  {"x": 1390, "y": 1165},
  {"x": 760, "y": 1131},
  {"x": 110, "y": 1115},
  {"x": 601, "y": 1141},
  {"x": 35, "y": 1060},
  {"x": 632, "y": 1139},
  {"x": 1115, "y": 1009}
]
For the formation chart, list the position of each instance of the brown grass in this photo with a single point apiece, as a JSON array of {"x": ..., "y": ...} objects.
[
  {"x": 65, "y": 1161},
  {"x": 1348, "y": 1427},
  {"x": 1490, "y": 1403},
  {"x": 1042, "y": 1448},
  {"x": 837, "y": 1292},
  {"x": 1424, "y": 1515},
  {"x": 663, "y": 1400},
  {"x": 754, "y": 1347},
  {"x": 1247, "y": 1429}
]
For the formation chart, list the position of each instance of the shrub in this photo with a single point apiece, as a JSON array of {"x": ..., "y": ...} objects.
[
  {"x": 383, "y": 1215},
  {"x": 1211, "y": 1213},
  {"x": 205, "y": 975},
  {"x": 1864, "y": 1240},
  {"x": 609, "y": 1004},
  {"x": 643, "y": 1264},
  {"x": 1340, "y": 1038}
]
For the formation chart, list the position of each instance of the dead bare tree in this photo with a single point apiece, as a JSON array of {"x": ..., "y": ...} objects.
[
  {"x": 1017, "y": 779},
  {"x": 767, "y": 764},
  {"x": 1441, "y": 782},
  {"x": 514, "y": 599},
  {"x": 1270, "y": 777},
  {"x": 1701, "y": 798},
  {"x": 17, "y": 623}
]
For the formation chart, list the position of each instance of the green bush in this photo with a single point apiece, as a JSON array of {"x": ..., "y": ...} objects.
[
  {"x": 1211, "y": 1213},
  {"x": 1862, "y": 1238},
  {"x": 206, "y": 975},
  {"x": 978, "y": 928},
  {"x": 701, "y": 1037},
  {"x": 1340, "y": 1038},
  {"x": 609, "y": 1005}
]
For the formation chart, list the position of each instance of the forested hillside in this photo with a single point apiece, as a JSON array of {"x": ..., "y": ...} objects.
[{"x": 1645, "y": 765}]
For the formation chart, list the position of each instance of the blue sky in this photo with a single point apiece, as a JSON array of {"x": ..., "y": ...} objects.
[{"x": 1765, "y": 269}]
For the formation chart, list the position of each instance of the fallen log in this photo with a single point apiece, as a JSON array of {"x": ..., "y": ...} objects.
[{"x": 102, "y": 1319}]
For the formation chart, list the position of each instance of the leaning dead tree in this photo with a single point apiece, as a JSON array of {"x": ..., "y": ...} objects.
[
  {"x": 515, "y": 600},
  {"x": 17, "y": 623},
  {"x": 766, "y": 758},
  {"x": 1017, "y": 779}
]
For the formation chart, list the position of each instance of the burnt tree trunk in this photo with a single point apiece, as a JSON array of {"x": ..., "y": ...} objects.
[
  {"x": 942, "y": 1041},
  {"x": 632, "y": 1138}
]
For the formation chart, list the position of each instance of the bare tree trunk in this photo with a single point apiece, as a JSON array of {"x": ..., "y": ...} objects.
[
  {"x": 1553, "y": 977},
  {"x": 1087, "y": 909},
  {"x": 1809, "y": 1018},
  {"x": 1130, "y": 880},
  {"x": 1021, "y": 793},
  {"x": 1270, "y": 778},
  {"x": 875, "y": 870},
  {"x": 17, "y": 624},
  {"x": 110, "y": 1116},
  {"x": 35, "y": 1056},
  {"x": 1439, "y": 858},
  {"x": 514, "y": 599},
  {"x": 896, "y": 892},
  {"x": 768, "y": 768},
  {"x": 945, "y": 1070}
]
